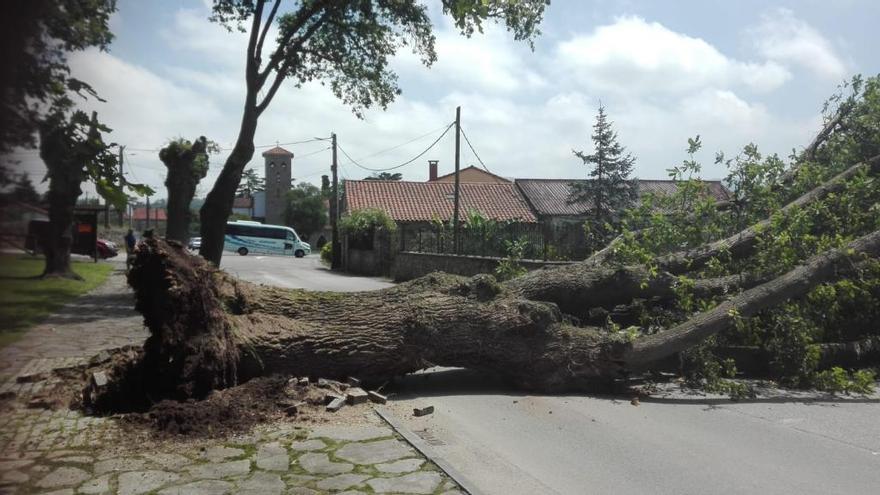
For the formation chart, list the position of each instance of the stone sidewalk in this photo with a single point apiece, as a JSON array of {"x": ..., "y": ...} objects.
[{"x": 63, "y": 452}]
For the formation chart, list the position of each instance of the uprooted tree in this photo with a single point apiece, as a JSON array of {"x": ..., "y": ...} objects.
[{"x": 625, "y": 309}]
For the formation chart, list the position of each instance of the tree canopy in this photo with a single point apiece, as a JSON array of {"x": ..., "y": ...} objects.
[
  {"x": 35, "y": 39},
  {"x": 305, "y": 210}
]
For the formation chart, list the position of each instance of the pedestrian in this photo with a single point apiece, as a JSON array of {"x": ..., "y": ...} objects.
[{"x": 130, "y": 243}]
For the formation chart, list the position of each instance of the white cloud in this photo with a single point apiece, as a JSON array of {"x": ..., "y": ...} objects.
[
  {"x": 524, "y": 113},
  {"x": 783, "y": 37},
  {"x": 488, "y": 61},
  {"x": 632, "y": 54}
]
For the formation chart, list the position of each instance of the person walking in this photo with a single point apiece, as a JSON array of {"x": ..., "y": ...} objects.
[{"x": 130, "y": 243}]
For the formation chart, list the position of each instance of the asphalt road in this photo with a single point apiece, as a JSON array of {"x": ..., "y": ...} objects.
[
  {"x": 296, "y": 273},
  {"x": 506, "y": 442}
]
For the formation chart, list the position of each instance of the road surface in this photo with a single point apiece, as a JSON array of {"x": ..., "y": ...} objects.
[
  {"x": 296, "y": 273},
  {"x": 507, "y": 442}
]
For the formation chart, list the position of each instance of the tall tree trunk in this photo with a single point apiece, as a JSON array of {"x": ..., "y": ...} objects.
[
  {"x": 218, "y": 205},
  {"x": 64, "y": 189}
]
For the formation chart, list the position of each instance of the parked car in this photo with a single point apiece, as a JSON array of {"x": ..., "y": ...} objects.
[
  {"x": 195, "y": 243},
  {"x": 106, "y": 249}
]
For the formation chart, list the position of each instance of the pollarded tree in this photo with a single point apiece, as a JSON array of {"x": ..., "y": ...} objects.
[
  {"x": 609, "y": 190},
  {"x": 187, "y": 165},
  {"x": 74, "y": 151},
  {"x": 348, "y": 46}
]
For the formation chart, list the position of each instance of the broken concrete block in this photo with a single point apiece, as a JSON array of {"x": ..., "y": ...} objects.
[
  {"x": 377, "y": 397},
  {"x": 99, "y": 379},
  {"x": 354, "y": 382},
  {"x": 328, "y": 398},
  {"x": 423, "y": 411},
  {"x": 336, "y": 404},
  {"x": 303, "y": 382},
  {"x": 356, "y": 395},
  {"x": 323, "y": 383}
]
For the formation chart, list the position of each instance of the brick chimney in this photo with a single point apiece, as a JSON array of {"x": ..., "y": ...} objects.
[{"x": 432, "y": 170}]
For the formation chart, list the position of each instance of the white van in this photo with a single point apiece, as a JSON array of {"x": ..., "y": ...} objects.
[{"x": 246, "y": 237}]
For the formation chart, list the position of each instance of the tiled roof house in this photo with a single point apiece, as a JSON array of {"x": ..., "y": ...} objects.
[
  {"x": 550, "y": 197},
  {"x": 427, "y": 201}
]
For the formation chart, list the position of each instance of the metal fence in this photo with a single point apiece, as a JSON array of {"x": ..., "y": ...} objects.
[{"x": 542, "y": 242}]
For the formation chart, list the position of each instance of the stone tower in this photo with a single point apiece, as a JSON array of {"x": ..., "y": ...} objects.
[{"x": 279, "y": 163}]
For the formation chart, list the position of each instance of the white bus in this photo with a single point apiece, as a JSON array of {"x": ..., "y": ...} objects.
[{"x": 245, "y": 237}]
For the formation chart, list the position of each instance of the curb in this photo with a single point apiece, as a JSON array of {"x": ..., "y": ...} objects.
[{"x": 427, "y": 451}]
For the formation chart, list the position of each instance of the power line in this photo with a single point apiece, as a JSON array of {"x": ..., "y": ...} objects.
[
  {"x": 404, "y": 144},
  {"x": 468, "y": 141},
  {"x": 291, "y": 143},
  {"x": 402, "y": 164}
]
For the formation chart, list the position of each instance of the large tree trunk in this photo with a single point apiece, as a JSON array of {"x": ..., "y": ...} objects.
[
  {"x": 209, "y": 330},
  {"x": 65, "y": 186},
  {"x": 62, "y": 202},
  {"x": 218, "y": 204}
]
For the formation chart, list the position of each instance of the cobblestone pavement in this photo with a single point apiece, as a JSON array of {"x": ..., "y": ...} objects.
[{"x": 63, "y": 452}]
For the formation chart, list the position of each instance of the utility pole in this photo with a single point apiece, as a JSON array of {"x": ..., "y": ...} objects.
[
  {"x": 334, "y": 211},
  {"x": 121, "y": 182},
  {"x": 457, "y": 194},
  {"x": 147, "y": 216}
]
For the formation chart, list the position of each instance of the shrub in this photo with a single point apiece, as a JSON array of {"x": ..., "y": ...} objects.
[{"x": 327, "y": 253}]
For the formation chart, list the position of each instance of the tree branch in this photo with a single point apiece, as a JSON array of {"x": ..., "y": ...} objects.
[
  {"x": 251, "y": 67},
  {"x": 259, "y": 50},
  {"x": 278, "y": 55},
  {"x": 795, "y": 283},
  {"x": 742, "y": 243},
  {"x": 281, "y": 74}
]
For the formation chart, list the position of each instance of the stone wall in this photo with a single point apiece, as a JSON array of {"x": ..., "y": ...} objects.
[{"x": 410, "y": 265}]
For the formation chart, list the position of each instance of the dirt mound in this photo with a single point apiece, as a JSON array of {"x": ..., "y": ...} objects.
[{"x": 232, "y": 410}]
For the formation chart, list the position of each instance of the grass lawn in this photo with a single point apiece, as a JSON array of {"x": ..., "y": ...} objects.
[{"x": 25, "y": 300}]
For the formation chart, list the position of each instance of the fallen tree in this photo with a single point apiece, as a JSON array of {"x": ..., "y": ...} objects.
[{"x": 210, "y": 331}]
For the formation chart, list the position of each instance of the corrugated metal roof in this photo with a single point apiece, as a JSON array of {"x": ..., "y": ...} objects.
[
  {"x": 425, "y": 201},
  {"x": 551, "y": 196}
]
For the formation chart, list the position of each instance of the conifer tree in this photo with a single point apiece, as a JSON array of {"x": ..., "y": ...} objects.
[{"x": 609, "y": 189}]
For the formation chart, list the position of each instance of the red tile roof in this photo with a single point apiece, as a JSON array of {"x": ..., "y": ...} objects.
[
  {"x": 425, "y": 201},
  {"x": 155, "y": 214},
  {"x": 276, "y": 151},
  {"x": 550, "y": 196}
]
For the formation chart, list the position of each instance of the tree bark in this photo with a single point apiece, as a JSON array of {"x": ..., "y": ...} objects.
[
  {"x": 64, "y": 189},
  {"x": 218, "y": 204},
  {"x": 209, "y": 330}
]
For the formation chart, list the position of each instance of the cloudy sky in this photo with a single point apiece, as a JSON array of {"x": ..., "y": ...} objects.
[{"x": 732, "y": 71}]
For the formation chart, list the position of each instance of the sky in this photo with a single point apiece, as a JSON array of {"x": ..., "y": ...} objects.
[{"x": 733, "y": 72}]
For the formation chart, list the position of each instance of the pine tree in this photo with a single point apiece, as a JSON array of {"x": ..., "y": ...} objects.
[{"x": 609, "y": 189}]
